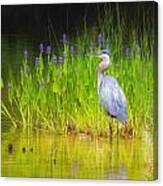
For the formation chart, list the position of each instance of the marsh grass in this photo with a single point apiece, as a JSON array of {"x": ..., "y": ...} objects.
[{"x": 63, "y": 96}]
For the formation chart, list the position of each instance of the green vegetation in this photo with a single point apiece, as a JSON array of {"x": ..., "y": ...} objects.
[{"x": 62, "y": 95}]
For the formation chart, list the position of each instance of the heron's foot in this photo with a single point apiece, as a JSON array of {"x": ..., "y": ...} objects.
[{"x": 127, "y": 132}]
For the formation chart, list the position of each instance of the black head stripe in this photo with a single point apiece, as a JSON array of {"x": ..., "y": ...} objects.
[{"x": 105, "y": 52}]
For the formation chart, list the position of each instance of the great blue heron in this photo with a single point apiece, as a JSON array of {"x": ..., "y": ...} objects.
[{"x": 110, "y": 93}]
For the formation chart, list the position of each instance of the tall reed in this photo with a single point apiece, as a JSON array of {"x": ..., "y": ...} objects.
[{"x": 60, "y": 93}]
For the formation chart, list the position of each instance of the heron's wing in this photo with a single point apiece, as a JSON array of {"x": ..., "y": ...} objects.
[{"x": 113, "y": 98}]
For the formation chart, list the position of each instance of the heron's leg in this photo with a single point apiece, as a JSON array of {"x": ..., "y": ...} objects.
[
  {"x": 110, "y": 129},
  {"x": 117, "y": 129},
  {"x": 125, "y": 130},
  {"x": 117, "y": 132}
]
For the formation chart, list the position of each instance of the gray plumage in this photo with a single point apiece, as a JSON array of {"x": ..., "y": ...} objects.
[{"x": 110, "y": 93}]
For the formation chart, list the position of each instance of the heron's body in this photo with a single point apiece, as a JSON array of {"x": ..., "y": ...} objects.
[
  {"x": 110, "y": 93},
  {"x": 112, "y": 98}
]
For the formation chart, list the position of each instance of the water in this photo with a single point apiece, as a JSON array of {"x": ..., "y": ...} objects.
[{"x": 44, "y": 154}]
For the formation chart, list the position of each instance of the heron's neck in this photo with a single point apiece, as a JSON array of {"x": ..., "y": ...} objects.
[{"x": 103, "y": 66}]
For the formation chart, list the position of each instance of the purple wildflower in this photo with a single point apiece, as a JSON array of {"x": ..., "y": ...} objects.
[
  {"x": 48, "y": 49},
  {"x": 25, "y": 54},
  {"x": 99, "y": 38},
  {"x": 41, "y": 48},
  {"x": 64, "y": 38},
  {"x": 128, "y": 52},
  {"x": 72, "y": 50},
  {"x": 55, "y": 59},
  {"x": 36, "y": 61}
]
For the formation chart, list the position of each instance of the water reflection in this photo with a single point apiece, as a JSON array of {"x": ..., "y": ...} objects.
[{"x": 45, "y": 154}]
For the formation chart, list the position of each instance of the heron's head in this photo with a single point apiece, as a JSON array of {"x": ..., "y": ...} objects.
[{"x": 104, "y": 55}]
